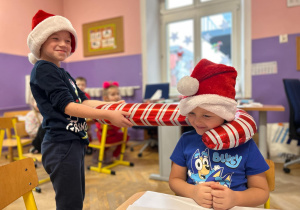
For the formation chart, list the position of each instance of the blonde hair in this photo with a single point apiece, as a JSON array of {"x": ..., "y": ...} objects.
[{"x": 81, "y": 79}]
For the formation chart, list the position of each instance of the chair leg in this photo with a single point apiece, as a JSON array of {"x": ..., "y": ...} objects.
[
  {"x": 29, "y": 201},
  {"x": 267, "y": 204},
  {"x": 106, "y": 169},
  {"x": 148, "y": 143}
]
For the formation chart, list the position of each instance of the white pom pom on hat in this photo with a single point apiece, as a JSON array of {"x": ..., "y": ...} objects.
[
  {"x": 44, "y": 25},
  {"x": 211, "y": 86},
  {"x": 188, "y": 86}
]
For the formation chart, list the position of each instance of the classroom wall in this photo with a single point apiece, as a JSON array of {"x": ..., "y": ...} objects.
[
  {"x": 15, "y": 24},
  {"x": 269, "y": 20}
]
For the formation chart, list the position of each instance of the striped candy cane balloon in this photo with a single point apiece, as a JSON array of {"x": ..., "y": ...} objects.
[
  {"x": 231, "y": 134},
  {"x": 228, "y": 135},
  {"x": 149, "y": 114}
]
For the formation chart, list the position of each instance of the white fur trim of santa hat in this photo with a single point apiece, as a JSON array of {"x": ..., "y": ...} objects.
[
  {"x": 211, "y": 86},
  {"x": 222, "y": 106},
  {"x": 43, "y": 30}
]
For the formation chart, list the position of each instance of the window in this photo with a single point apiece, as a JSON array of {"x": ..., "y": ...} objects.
[{"x": 212, "y": 29}]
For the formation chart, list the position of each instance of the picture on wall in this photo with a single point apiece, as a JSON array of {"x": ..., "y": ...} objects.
[{"x": 103, "y": 37}]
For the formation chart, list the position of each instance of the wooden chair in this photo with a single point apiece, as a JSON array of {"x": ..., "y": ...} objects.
[
  {"x": 270, "y": 174},
  {"x": 20, "y": 133},
  {"x": 18, "y": 179},
  {"x": 16, "y": 113},
  {"x": 7, "y": 125},
  {"x": 102, "y": 145}
]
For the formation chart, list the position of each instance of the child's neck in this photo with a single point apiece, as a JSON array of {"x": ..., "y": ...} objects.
[{"x": 57, "y": 63}]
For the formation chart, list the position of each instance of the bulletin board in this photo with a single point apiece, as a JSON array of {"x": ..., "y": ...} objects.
[{"x": 103, "y": 37}]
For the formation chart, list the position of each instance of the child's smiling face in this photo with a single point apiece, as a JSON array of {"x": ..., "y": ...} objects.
[
  {"x": 57, "y": 47},
  {"x": 203, "y": 120}
]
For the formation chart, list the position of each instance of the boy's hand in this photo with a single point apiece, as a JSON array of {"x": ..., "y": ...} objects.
[
  {"x": 121, "y": 102},
  {"x": 202, "y": 194},
  {"x": 223, "y": 197},
  {"x": 118, "y": 119}
]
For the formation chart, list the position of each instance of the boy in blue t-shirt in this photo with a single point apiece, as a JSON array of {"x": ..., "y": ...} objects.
[
  {"x": 219, "y": 179},
  {"x": 64, "y": 108}
]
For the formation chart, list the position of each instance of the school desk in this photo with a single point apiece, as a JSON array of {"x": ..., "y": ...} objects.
[
  {"x": 262, "y": 129},
  {"x": 154, "y": 200}
]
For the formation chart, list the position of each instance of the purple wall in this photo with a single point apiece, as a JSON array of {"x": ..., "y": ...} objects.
[
  {"x": 268, "y": 89},
  {"x": 12, "y": 80},
  {"x": 127, "y": 70}
]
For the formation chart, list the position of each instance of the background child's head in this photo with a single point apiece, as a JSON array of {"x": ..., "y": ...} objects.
[
  {"x": 211, "y": 87},
  {"x": 81, "y": 83},
  {"x": 44, "y": 25},
  {"x": 111, "y": 91}
]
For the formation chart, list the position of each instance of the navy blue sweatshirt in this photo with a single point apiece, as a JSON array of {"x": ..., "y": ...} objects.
[{"x": 53, "y": 89}]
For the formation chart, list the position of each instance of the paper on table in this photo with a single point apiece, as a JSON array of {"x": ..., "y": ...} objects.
[
  {"x": 157, "y": 95},
  {"x": 154, "y": 200},
  {"x": 160, "y": 201}
]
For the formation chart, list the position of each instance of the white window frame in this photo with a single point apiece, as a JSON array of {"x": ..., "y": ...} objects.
[{"x": 156, "y": 57}]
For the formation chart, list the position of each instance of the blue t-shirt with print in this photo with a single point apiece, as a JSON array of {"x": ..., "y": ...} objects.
[{"x": 229, "y": 167}]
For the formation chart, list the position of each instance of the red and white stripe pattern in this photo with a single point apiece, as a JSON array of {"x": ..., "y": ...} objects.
[
  {"x": 149, "y": 114},
  {"x": 231, "y": 134},
  {"x": 226, "y": 136}
]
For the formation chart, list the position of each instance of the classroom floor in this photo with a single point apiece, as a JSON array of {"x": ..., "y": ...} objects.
[{"x": 107, "y": 192}]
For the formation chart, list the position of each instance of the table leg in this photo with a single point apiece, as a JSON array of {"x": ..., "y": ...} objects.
[
  {"x": 168, "y": 137},
  {"x": 262, "y": 137}
]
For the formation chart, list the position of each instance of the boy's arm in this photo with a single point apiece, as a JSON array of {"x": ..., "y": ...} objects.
[
  {"x": 117, "y": 118},
  {"x": 256, "y": 194},
  {"x": 200, "y": 193},
  {"x": 95, "y": 103}
]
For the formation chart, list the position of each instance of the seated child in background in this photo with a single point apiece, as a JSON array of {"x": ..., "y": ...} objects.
[
  {"x": 219, "y": 179},
  {"x": 81, "y": 83},
  {"x": 111, "y": 93},
  {"x": 33, "y": 119},
  {"x": 33, "y": 126}
]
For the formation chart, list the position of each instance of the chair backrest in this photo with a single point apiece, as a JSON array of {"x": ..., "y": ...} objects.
[
  {"x": 16, "y": 113},
  {"x": 292, "y": 90},
  {"x": 18, "y": 179},
  {"x": 7, "y": 123},
  {"x": 152, "y": 88},
  {"x": 270, "y": 174},
  {"x": 20, "y": 130}
]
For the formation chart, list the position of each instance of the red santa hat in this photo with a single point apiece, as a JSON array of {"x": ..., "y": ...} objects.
[
  {"x": 211, "y": 87},
  {"x": 43, "y": 25}
]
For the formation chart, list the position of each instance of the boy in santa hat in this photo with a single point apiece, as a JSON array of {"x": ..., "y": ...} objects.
[
  {"x": 219, "y": 179},
  {"x": 64, "y": 108}
]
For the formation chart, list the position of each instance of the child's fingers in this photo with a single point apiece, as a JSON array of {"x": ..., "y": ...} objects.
[
  {"x": 217, "y": 186},
  {"x": 208, "y": 183},
  {"x": 126, "y": 113},
  {"x": 127, "y": 123},
  {"x": 217, "y": 193},
  {"x": 120, "y": 102}
]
